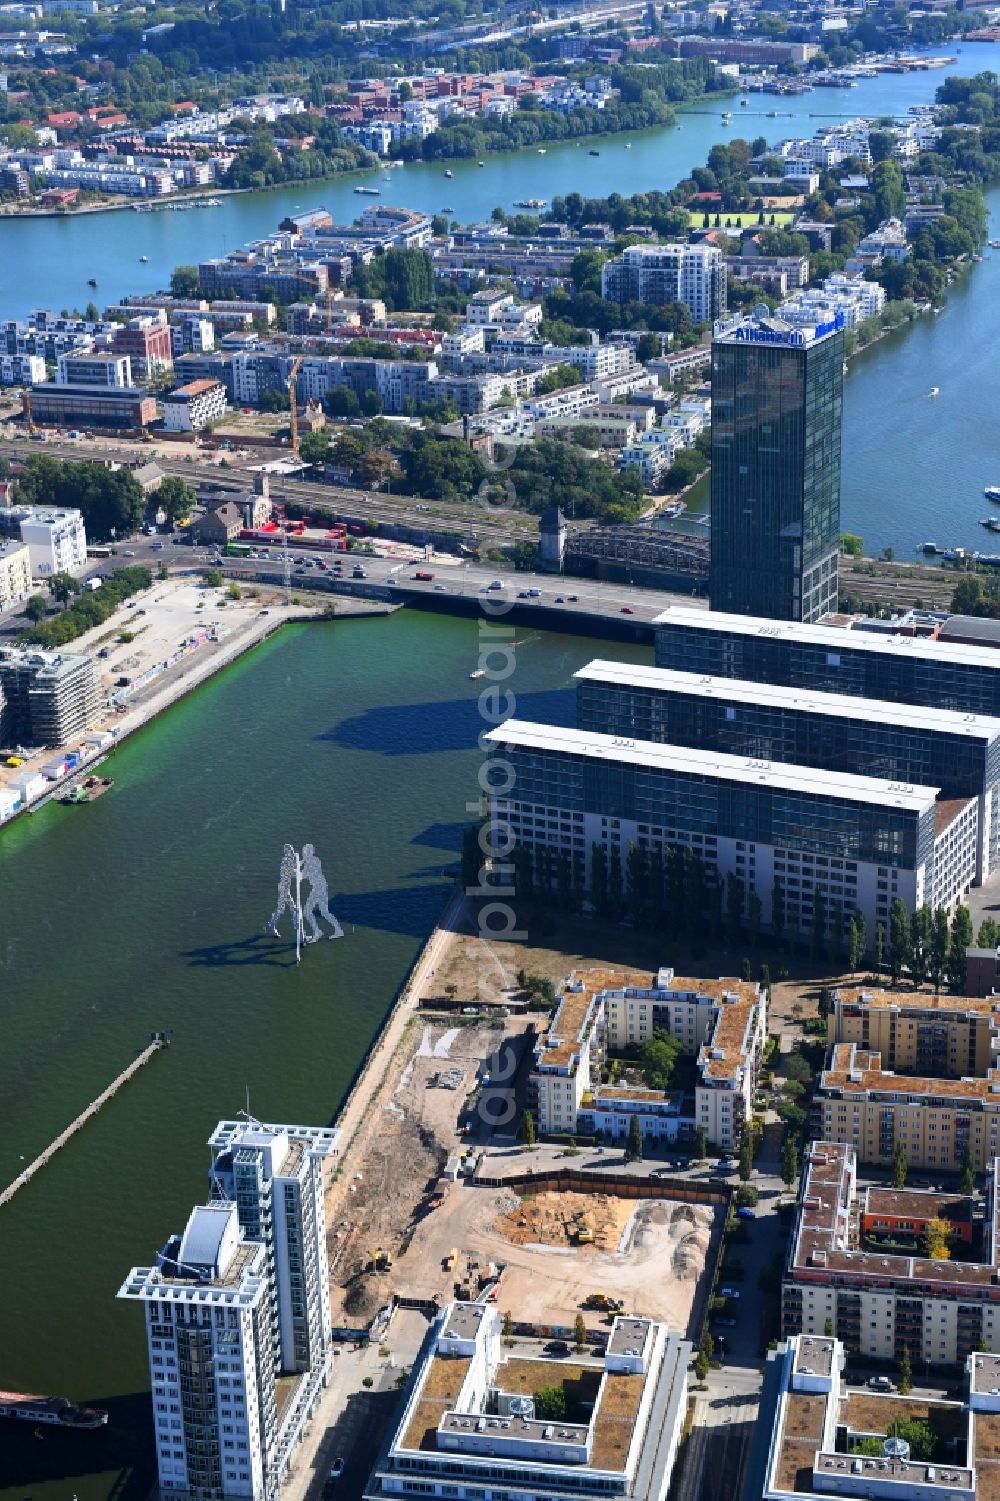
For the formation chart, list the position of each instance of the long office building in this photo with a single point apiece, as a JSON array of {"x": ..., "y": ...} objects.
[
  {"x": 777, "y": 410},
  {"x": 831, "y": 658},
  {"x": 238, "y": 1317},
  {"x": 859, "y": 842},
  {"x": 908, "y": 743},
  {"x": 880, "y": 1302}
]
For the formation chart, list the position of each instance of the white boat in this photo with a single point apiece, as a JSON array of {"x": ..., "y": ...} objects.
[
  {"x": 480, "y": 672},
  {"x": 934, "y": 391},
  {"x": 143, "y": 260},
  {"x": 448, "y": 172},
  {"x": 541, "y": 151},
  {"x": 992, "y": 492}
]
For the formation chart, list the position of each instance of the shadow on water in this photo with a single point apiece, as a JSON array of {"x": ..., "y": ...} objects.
[
  {"x": 441, "y": 836},
  {"x": 244, "y": 951},
  {"x": 427, "y": 729},
  {"x": 33, "y": 1459}
]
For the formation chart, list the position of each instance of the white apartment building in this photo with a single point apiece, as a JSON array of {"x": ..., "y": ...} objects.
[
  {"x": 22, "y": 369},
  {"x": 237, "y": 1301},
  {"x": 56, "y": 540},
  {"x": 106, "y": 371},
  {"x": 210, "y": 1339},
  {"x": 190, "y": 408},
  {"x": 692, "y": 274}
]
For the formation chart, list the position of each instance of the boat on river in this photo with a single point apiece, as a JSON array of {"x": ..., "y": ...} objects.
[
  {"x": 934, "y": 391},
  {"x": 448, "y": 172},
  {"x": 530, "y": 202},
  {"x": 992, "y": 492},
  {"x": 87, "y": 791},
  {"x": 369, "y": 192},
  {"x": 57, "y": 1411},
  {"x": 991, "y": 523}
]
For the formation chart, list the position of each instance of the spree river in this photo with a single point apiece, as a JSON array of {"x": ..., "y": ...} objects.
[{"x": 146, "y": 910}]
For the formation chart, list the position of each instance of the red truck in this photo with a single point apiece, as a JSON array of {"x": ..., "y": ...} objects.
[{"x": 423, "y": 577}]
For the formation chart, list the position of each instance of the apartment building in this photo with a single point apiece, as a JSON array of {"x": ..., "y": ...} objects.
[
  {"x": 948, "y": 1037},
  {"x": 56, "y": 539},
  {"x": 939, "y": 1123},
  {"x": 189, "y": 408},
  {"x": 812, "y": 1421},
  {"x": 465, "y": 1428},
  {"x": 21, "y": 369},
  {"x": 51, "y": 697},
  {"x": 907, "y": 743},
  {"x": 858, "y": 841},
  {"x": 831, "y": 658},
  {"x": 15, "y": 573},
  {"x": 722, "y": 1023},
  {"x": 692, "y": 274},
  {"x": 878, "y": 1302},
  {"x": 238, "y": 1316}
]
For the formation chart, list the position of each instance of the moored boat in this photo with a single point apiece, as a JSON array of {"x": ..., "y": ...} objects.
[{"x": 58, "y": 1411}]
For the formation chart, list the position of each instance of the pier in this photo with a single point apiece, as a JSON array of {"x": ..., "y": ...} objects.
[{"x": 159, "y": 1041}]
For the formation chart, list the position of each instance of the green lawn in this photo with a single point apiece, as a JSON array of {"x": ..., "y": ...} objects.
[{"x": 737, "y": 221}]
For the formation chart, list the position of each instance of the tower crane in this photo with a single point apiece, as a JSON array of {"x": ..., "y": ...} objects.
[{"x": 293, "y": 409}]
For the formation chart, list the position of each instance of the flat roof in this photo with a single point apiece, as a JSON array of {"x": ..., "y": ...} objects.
[
  {"x": 811, "y": 781},
  {"x": 834, "y": 637},
  {"x": 865, "y": 998},
  {"x": 781, "y": 696}
]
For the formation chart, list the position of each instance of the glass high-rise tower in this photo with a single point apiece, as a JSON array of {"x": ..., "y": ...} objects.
[{"x": 777, "y": 400}]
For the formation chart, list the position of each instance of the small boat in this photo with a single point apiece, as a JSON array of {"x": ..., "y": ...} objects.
[
  {"x": 448, "y": 172},
  {"x": 480, "y": 672},
  {"x": 593, "y": 153},
  {"x": 744, "y": 103},
  {"x": 369, "y": 192},
  {"x": 143, "y": 260},
  {"x": 91, "y": 281},
  {"x": 995, "y": 244},
  {"x": 991, "y": 523},
  {"x": 541, "y": 151},
  {"x": 992, "y": 492},
  {"x": 480, "y": 164},
  {"x": 447, "y": 210},
  {"x": 628, "y": 145},
  {"x": 930, "y": 549},
  {"x": 87, "y": 791},
  {"x": 530, "y": 202},
  {"x": 55, "y": 1410},
  {"x": 934, "y": 391},
  {"x": 978, "y": 259}
]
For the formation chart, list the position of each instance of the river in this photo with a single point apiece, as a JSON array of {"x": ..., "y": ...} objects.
[{"x": 146, "y": 910}]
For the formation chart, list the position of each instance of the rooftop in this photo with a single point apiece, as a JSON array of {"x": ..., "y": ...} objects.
[
  {"x": 780, "y": 696},
  {"x": 855, "y": 1071},
  {"x": 806, "y": 780},
  {"x": 835, "y": 638},
  {"x": 193, "y": 388},
  {"x": 913, "y": 1002}
]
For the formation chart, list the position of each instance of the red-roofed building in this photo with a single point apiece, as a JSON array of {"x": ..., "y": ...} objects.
[
  {"x": 66, "y": 119},
  {"x": 59, "y": 197}
]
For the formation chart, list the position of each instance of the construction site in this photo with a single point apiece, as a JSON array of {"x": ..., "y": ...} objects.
[{"x": 415, "y": 1214}]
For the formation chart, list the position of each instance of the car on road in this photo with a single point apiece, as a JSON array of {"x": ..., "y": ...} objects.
[
  {"x": 573, "y": 599},
  {"x": 744, "y": 1213},
  {"x": 728, "y": 1292},
  {"x": 881, "y": 1384},
  {"x": 557, "y": 1347},
  {"x": 495, "y": 584},
  {"x": 560, "y": 600},
  {"x": 157, "y": 546},
  {"x": 627, "y": 610},
  {"x": 128, "y": 554},
  {"x": 440, "y": 589},
  {"x": 337, "y": 1469},
  {"x": 523, "y": 594},
  {"x": 725, "y": 1323}
]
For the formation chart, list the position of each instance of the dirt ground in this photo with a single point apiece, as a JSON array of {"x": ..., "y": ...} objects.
[
  {"x": 555, "y": 1219},
  {"x": 652, "y": 1256},
  {"x": 413, "y": 1134}
]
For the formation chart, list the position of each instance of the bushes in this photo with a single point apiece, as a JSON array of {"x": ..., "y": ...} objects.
[{"x": 89, "y": 609}]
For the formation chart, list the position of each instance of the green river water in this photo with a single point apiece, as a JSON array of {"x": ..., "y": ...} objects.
[{"x": 145, "y": 910}]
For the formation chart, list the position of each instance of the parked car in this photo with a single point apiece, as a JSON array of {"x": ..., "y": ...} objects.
[
  {"x": 557, "y": 1347},
  {"x": 728, "y": 1292},
  {"x": 726, "y": 1323},
  {"x": 627, "y": 610},
  {"x": 745, "y": 1214},
  {"x": 337, "y": 1469},
  {"x": 881, "y": 1384}
]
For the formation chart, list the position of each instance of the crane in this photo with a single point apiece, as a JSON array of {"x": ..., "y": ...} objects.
[
  {"x": 293, "y": 410},
  {"x": 26, "y": 411}
]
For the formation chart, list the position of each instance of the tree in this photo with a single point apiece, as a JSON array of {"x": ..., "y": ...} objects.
[
  {"x": 700, "y": 1141},
  {"x": 36, "y": 609},
  {"x": 659, "y": 1059},
  {"x": 899, "y": 1165},
  {"x": 184, "y": 281},
  {"x": 175, "y": 497},
  {"x": 961, "y": 938},
  {"x": 789, "y": 1162},
  {"x": 633, "y": 1146},
  {"x": 314, "y": 447},
  {"x": 62, "y": 586},
  {"x": 746, "y": 1157},
  {"x": 921, "y": 938},
  {"x": 879, "y": 946},
  {"x": 967, "y": 1183},
  {"x": 211, "y": 577},
  {"x": 507, "y": 1327},
  {"x": 899, "y": 939},
  {"x": 905, "y": 1372},
  {"x": 988, "y": 936},
  {"x": 580, "y": 1331},
  {"x": 935, "y": 1240},
  {"x": 938, "y": 963},
  {"x": 828, "y": 1334},
  {"x": 550, "y": 1403},
  {"x": 968, "y": 595},
  {"x": 528, "y": 1133},
  {"x": 111, "y": 502},
  {"x": 747, "y": 1196}
]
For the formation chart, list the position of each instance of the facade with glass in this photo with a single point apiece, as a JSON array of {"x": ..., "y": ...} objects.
[
  {"x": 959, "y": 753},
  {"x": 777, "y": 406},
  {"x": 834, "y": 659},
  {"x": 858, "y": 842}
]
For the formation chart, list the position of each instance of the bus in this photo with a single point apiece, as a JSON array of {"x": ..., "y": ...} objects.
[
  {"x": 237, "y": 549},
  {"x": 98, "y": 552}
]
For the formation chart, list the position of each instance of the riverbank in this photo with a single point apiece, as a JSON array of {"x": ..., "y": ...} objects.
[{"x": 195, "y": 199}]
